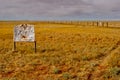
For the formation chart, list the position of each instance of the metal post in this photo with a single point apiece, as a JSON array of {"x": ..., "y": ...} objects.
[
  {"x": 35, "y": 47},
  {"x": 14, "y": 46}
]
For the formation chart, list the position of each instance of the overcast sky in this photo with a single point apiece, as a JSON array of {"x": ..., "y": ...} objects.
[{"x": 59, "y": 9}]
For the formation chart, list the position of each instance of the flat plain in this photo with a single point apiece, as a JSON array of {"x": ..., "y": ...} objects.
[{"x": 64, "y": 52}]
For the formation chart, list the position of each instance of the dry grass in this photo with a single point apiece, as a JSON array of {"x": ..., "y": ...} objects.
[{"x": 64, "y": 52}]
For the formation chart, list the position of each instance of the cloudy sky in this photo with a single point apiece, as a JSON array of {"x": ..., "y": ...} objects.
[{"x": 59, "y": 9}]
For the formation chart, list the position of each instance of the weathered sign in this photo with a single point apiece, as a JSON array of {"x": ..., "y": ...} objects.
[{"x": 24, "y": 32}]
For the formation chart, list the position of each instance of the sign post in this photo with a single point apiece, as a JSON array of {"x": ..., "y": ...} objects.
[{"x": 24, "y": 33}]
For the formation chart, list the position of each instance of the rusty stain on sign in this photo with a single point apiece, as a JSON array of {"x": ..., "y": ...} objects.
[{"x": 24, "y": 32}]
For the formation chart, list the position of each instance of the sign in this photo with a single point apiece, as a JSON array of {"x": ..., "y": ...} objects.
[{"x": 24, "y": 32}]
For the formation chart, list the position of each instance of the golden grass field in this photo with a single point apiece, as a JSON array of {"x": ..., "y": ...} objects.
[{"x": 64, "y": 52}]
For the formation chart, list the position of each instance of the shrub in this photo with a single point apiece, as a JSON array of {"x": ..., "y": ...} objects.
[
  {"x": 57, "y": 71},
  {"x": 66, "y": 76}
]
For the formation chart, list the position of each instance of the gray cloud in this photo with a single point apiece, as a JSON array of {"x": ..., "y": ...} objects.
[{"x": 26, "y": 9}]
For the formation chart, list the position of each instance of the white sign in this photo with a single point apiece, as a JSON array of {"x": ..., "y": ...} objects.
[{"x": 24, "y": 32}]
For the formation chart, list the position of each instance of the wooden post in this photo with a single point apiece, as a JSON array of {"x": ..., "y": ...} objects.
[
  {"x": 35, "y": 47},
  {"x": 93, "y": 23},
  {"x": 102, "y": 24},
  {"x": 97, "y": 24},
  {"x": 107, "y": 24}
]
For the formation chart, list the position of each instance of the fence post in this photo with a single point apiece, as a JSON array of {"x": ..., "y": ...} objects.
[{"x": 97, "y": 24}]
